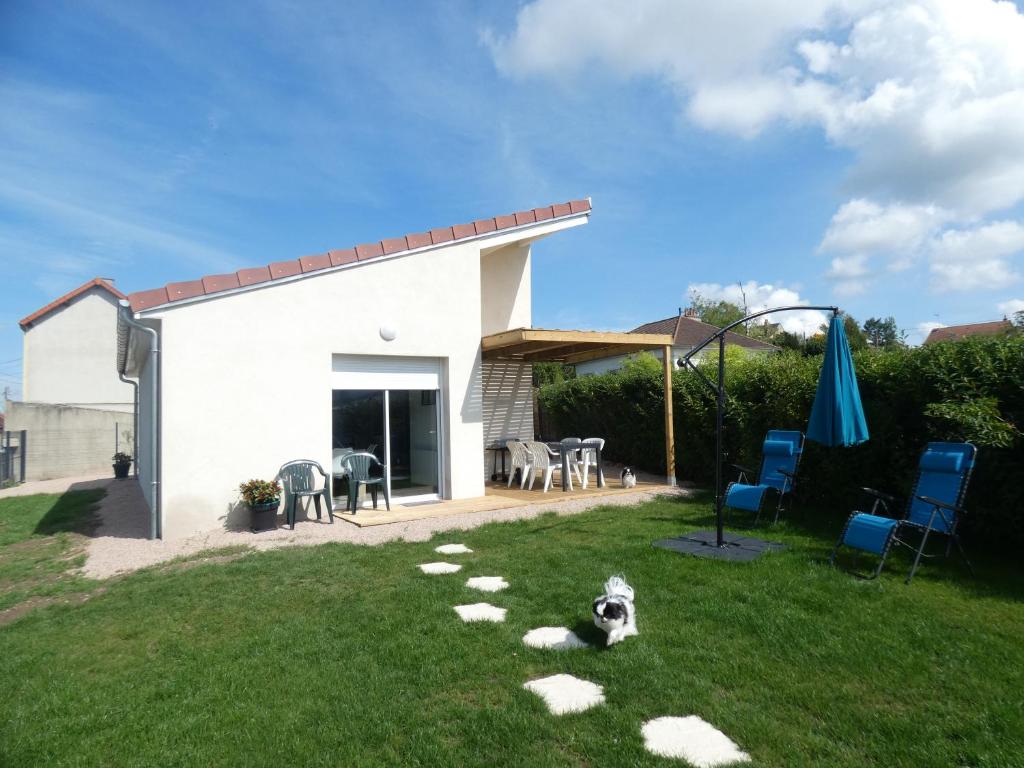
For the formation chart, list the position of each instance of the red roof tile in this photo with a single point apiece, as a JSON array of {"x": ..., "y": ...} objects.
[
  {"x": 186, "y": 290},
  {"x": 394, "y": 245},
  {"x": 444, "y": 234},
  {"x": 419, "y": 240},
  {"x": 957, "y": 332},
  {"x": 67, "y": 298},
  {"x": 250, "y": 276},
  {"x": 313, "y": 263},
  {"x": 369, "y": 251},
  {"x": 212, "y": 284},
  {"x": 346, "y": 256}
]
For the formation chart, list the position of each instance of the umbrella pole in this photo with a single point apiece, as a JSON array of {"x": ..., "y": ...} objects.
[{"x": 719, "y": 501}]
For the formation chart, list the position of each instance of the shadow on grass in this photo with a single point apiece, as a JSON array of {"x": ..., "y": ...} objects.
[{"x": 73, "y": 512}]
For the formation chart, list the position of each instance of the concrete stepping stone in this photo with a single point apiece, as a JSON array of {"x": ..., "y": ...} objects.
[
  {"x": 564, "y": 693},
  {"x": 487, "y": 583},
  {"x": 480, "y": 612},
  {"x": 437, "y": 568},
  {"x": 691, "y": 739},
  {"x": 453, "y": 549},
  {"x": 553, "y": 638}
]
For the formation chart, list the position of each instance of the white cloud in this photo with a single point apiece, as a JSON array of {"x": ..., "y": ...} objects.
[
  {"x": 758, "y": 296},
  {"x": 976, "y": 258},
  {"x": 928, "y": 95},
  {"x": 1011, "y": 307}
]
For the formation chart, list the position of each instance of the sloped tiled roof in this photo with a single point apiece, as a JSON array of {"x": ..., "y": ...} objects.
[
  {"x": 956, "y": 332},
  {"x": 211, "y": 284},
  {"x": 689, "y": 332},
  {"x": 67, "y": 298}
]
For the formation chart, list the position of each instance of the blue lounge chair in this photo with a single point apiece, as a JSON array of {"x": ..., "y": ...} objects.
[
  {"x": 935, "y": 505},
  {"x": 780, "y": 457}
]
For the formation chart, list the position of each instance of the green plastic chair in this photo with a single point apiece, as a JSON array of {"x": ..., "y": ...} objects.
[
  {"x": 357, "y": 467},
  {"x": 298, "y": 481}
]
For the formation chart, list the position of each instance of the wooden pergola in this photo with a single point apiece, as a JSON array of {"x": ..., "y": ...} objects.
[{"x": 537, "y": 345}]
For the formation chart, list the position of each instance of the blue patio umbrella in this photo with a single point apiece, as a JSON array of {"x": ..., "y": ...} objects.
[{"x": 837, "y": 417}]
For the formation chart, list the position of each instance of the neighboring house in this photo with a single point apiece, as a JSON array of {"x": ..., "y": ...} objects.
[
  {"x": 74, "y": 407},
  {"x": 958, "y": 332},
  {"x": 377, "y": 347},
  {"x": 687, "y": 331}
]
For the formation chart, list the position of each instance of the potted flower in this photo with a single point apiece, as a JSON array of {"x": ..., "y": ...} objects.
[
  {"x": 263, "y": 497},
  {"x": 122, "y": 463}
]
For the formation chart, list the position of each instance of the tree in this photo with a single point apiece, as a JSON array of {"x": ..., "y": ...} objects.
[
  {"x": 854, "y": 336},
  {"x": 1018, "y": 319},
  {"x": 882, "y": 333},
  {"x": 718, "y": 313}
]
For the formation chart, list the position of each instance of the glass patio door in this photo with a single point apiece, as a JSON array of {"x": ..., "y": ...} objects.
[{"x": 400, "y": 427}]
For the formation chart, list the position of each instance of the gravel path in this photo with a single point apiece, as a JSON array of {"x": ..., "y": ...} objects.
[{"x": 120, "y": 545}]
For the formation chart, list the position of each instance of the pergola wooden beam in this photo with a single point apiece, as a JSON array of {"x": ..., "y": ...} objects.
[{"x": 535, "y": 345}]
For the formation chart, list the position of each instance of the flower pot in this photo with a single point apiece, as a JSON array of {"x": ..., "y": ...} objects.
[
  {"x": 264, "y": 516},
  {"x": 121, "y": 469}
]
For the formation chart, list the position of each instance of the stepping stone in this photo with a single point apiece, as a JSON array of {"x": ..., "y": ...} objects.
[
  {"x": 436, "y": 568},
  {"x": 452, "y": 549},
  {"x": 691, "y": 739},
  {"x": 487, "y": 583},
  {"x": 480, "y": 612},
  {"x": 564, "y": 693},
  {"x": 554, "y": 638}
]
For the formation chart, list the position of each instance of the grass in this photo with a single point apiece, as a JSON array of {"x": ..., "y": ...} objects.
[
  {"x": 42, "y": 545},
  {"x": 344, "y": 655}
]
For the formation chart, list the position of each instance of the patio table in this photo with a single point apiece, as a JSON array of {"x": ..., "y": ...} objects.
[
  {"x": 569, "y": 445},
  {"x": 495, "y": 449}
]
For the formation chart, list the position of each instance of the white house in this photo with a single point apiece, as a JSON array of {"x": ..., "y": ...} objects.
[
  {"x": 687, "y": 332},
  {"x": 70, "y": 346},
  {"x": 75, "y": 408},
  {"x": 377, "y": 347}
]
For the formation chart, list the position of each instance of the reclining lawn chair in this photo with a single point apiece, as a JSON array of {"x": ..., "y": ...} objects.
[
  {"x": 780, "y": 457},
  {"x": 935, "y": 504}
]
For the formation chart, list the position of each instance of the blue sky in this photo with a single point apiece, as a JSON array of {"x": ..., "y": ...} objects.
[{"x": 819, "y": 151}]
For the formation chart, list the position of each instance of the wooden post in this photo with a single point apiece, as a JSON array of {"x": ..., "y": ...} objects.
[{"x": 670, "y": 440}]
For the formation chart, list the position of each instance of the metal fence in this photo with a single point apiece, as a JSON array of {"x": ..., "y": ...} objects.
[{"x": 13, "y": 456}]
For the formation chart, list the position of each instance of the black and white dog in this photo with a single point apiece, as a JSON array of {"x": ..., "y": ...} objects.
[
  {"x": 628, "y": 478},
  {"x": 614, "y": 611}
]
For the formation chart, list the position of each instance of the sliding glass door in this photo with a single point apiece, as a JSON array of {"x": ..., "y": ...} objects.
[{"x": 401, "y": 428}]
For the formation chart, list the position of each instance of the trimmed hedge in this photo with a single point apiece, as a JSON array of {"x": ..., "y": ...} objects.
[{"x": 968, "y": 390}]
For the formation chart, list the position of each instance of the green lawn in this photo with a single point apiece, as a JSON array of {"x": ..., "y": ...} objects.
[
  {"x": 349, "y": 656},
  {"x": 42, "y": 545}
]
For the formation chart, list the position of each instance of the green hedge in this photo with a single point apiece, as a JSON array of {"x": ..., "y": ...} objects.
[{"x": 969, "y": 390}]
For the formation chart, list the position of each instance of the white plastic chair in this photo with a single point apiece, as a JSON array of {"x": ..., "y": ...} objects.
[
  {"x": 522, "y": 460},
  {"x": 545, "y": 462},
  {"x": 590, "y": 457}
]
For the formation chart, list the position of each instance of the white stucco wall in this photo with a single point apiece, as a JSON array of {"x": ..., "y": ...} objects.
[
  {"x": 505, "y": 296},
  {"x": 69, "y": 356},
  {"x": 246, "y": 378}
]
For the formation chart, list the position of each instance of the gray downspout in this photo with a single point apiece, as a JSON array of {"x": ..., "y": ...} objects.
[
  {"x": 155, "y": 527},
  {"x": 135, "y": 421}
]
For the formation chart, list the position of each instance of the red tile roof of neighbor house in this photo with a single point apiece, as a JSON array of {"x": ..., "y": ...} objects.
[
  {"x": 172, "y": 292},
  {"x": 96, "y": 282},
  {"x": 956, "y": 332},
  {"x": 689, "y": 332}
]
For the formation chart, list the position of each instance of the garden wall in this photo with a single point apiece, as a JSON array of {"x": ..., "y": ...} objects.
[{"x": 969, "y": 390}]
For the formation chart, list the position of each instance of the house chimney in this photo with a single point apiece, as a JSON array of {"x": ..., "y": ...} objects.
[{"x": 690, "y": 312}]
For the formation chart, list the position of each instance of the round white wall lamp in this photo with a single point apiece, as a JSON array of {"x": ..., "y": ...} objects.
[{"x": 388, "y": 333}]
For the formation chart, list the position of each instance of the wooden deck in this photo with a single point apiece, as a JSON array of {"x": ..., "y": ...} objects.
[{"x": 497, "y": 496}]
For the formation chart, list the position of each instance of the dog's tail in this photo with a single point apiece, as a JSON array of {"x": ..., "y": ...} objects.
[{"x": 616, "y": 586}]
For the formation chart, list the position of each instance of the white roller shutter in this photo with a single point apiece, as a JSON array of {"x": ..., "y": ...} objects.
[{"x": 385, "y": 372}]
